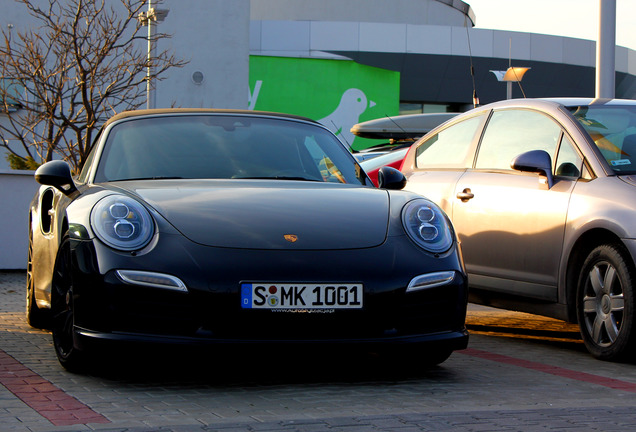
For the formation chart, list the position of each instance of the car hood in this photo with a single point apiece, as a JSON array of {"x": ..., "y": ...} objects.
[
  {"x": 266, "y": 214},
  {"x": 630, "y": 179}
]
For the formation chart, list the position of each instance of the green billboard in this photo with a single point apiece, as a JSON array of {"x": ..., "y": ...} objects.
[{"x": 337, "y": 93}]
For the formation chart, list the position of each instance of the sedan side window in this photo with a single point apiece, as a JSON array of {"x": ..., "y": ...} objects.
[
  {"x": 450, "y": 147},
  {"x": 512, "y": 132}
]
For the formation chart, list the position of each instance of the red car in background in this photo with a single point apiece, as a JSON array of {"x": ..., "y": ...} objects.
[
  {"x": 401, "y": 131},
  {"x": 393, "y": 159}
]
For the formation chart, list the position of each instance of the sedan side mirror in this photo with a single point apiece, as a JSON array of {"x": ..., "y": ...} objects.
[
  {"x": 391, "y": 178},
  {"x": 57, "y": 174},
  {"x": 536, "y": 161}
]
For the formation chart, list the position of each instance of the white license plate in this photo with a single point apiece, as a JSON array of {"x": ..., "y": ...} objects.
[{"x": 300, "y": 296}]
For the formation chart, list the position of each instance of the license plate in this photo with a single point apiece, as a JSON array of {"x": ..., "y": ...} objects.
[{"x": 301, "y": 296}]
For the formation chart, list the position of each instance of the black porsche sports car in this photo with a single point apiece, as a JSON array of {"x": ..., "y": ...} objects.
[{"x": 220, "y": 226}]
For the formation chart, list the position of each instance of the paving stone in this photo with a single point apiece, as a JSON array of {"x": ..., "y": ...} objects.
[{"x": 532, "y": 379}]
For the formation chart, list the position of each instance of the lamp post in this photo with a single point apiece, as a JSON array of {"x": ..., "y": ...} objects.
[
  {"x": 514, "y": 74},
  {"x": 510, "y": 75},
  {"x": 150, "y": 18}
]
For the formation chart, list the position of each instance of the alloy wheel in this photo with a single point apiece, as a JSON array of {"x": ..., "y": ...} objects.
[{"x": 603, "y": 304}]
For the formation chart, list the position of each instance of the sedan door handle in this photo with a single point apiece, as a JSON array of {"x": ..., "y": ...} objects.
[{"x": 465, "y": 195}]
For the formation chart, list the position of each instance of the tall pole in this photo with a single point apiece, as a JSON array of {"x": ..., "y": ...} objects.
[
  {"x": 606, "y": 50},
  {"x": 509, "y": 83},
  {"x": 150, "y": 90},
  {"x": 150, "y": 19}
]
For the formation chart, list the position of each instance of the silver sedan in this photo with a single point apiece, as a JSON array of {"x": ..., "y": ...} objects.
[{"x": 542, "y": 194}]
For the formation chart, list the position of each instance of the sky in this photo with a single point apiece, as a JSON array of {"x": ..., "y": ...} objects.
[{"x": 572, "y": 18}]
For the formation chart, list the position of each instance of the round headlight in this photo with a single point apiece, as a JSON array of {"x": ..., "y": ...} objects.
[
  {"x": 427, "y": 225},
  {"x": 122, "y": 223}
]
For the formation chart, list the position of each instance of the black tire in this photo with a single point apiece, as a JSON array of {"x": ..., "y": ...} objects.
[
  {"x": 605, "y": 303},
  {"x": 62, "y": 311},
  {"x": 36, "y": 317}
]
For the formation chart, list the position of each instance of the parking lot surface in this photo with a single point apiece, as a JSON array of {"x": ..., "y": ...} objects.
[{"x": 520, "y": 373}]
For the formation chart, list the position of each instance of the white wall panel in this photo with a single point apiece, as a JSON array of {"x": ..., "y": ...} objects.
[
  {"x": 285, "y": 35},
  {"x": 481, "y": 42},
  {"x": 326, "y": 35},
  {"x": 17, "y": 188},
  {"x": 511, "y": 44},
  {"x": 380, "y": 37},
  {"x": 385, "y": 11},
  {"x": 255, "y": 35},
  {"x": 422, "y": 39},
  {"x": 578, "y": 52},
  {"x": 214, "y": 35},
  {"x": 546, "y": 48},
  {"x": 622, "y": 58}
]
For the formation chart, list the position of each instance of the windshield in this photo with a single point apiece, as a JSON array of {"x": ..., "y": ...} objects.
[
  {"x": 214, "y": 146},
  {"x": 613, "y": 130}
]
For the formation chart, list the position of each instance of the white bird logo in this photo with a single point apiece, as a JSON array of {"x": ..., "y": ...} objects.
[{"x": 352, "y": 104}]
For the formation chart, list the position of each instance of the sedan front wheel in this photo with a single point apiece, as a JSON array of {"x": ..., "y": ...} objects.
[{"x": 605, "y": 303}]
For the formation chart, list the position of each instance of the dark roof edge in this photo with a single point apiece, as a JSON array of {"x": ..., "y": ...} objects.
[{"x": 462, "y": 7}]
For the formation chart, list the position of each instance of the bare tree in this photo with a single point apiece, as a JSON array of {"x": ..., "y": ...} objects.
[{"x": 64, "y": 77}]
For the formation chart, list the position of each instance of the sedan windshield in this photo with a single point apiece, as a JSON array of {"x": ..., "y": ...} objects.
[
  {"x": 613, "y": 130},
  {"x": 224, "y": 146}
]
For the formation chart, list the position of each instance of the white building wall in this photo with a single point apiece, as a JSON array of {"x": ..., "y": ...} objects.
[
  {"x": 213, "y": 35},
  {"x": 444, "y": 12},
  {"x": 17, "y": 188},
  {"x": 313, "y": 38}
]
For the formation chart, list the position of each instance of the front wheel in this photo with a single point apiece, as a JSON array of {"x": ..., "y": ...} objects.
[
  {"x": 605, "y": 303},
  {"x": 63, "y": 311}
]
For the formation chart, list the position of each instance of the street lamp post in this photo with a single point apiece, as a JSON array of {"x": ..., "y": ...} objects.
[
  {"x": 150, "y": 19},
  {"x": 510, "y": 75},
  {"x": 514, "y": 74}
]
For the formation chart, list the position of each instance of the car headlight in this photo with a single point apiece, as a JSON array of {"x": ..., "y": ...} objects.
[
  {"x": 427, "y": 225},
  {"x": 122, "y": 223}
]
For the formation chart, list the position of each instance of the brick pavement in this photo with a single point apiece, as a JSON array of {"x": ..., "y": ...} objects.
[
  {"x": 41, "y": 395},
  {"x": 502, "y": 382}
]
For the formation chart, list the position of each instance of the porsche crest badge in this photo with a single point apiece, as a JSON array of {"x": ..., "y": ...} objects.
[{"x": 292, "y": 238}]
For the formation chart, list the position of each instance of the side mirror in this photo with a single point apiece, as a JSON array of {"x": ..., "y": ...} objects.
[
  {"x": 57, "y": 174},
  {"x": 536, "y": 161},
  {"x": 390, "y": 178}
]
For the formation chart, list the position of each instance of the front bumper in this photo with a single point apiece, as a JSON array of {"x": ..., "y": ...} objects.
[{"x": 209, "y": 310}]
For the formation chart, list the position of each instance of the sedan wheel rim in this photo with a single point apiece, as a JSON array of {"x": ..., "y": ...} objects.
[{"x": 603, "y": 304}]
